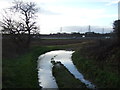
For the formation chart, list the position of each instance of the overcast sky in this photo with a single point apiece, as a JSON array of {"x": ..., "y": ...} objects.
[{"x": 70, "y": 14}]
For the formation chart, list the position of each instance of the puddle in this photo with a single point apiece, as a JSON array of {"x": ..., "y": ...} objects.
[{"x": 46, "y": 79}]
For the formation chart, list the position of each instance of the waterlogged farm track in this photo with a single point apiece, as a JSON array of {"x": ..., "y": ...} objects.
[{"x": 45, "y": 65}]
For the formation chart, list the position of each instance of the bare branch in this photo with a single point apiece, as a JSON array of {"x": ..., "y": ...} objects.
[{"x": 25, "y": 23}]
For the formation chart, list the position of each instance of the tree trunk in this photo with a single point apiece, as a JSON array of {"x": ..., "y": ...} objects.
[{"x": 28, "y": 40}]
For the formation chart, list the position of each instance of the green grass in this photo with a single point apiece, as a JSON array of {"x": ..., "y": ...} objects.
[
  {"x": 65, "y": 79},
  {"x": 21, "y": 72},
  {"x": 101, "y": 77}
]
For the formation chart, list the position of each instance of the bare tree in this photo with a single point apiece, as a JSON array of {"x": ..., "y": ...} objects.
[{"x": 25, "y": 25}]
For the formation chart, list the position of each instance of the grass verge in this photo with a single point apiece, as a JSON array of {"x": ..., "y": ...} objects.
[
  {"x": 21, "y": 72},
  {"x": 64, "y": 78},
  {"x": 100, "y": 73}
]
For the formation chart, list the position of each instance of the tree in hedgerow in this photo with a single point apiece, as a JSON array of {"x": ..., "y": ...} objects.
[{"x": 19, "y": 22}]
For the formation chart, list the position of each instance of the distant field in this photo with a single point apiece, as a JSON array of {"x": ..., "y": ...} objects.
[{"x": 55, "y": 42}]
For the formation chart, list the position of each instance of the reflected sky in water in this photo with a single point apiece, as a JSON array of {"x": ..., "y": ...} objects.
[{"x": 46, "y": 79}]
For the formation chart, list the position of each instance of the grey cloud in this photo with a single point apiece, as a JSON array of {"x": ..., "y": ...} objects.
[{"x": 48, "y": 12}]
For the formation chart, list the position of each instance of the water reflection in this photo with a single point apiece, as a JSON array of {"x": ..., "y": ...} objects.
[
  {"x": 45, "y": 76},
  {"x": 46, "y": 79}
]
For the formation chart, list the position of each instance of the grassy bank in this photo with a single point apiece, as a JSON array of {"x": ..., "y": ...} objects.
[
  {"x": 65, "y": 79},
  {"x": 21, "y": 72},
  {"x": 92, "y": 60},
  {"x": 102, "y": 71}
]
